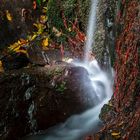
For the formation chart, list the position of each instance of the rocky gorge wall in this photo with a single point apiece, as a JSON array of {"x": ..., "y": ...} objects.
[{"x": 121, "y": 115}]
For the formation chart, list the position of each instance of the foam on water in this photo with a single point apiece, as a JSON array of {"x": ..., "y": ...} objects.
[{"x": 77, "y": 126}]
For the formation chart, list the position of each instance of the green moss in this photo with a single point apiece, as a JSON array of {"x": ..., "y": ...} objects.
[
  {"x": 105, "y": 109},
  {"x": 72, "y": 9},
  {"x": 61, "y": 87},
  {"x": 55, "y": 72},
  {"x": 69, "y": 7},
  {"x": 54, "y": 15},
  {"x": 58, "y": 71}
]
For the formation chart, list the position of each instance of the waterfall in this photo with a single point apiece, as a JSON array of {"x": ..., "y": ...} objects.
[
  {"x": 77, "y": 126},
  {"x": 90, "y": 29}
]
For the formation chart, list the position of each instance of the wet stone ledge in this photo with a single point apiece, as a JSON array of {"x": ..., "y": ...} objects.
[{"x": 34, "y": 99}]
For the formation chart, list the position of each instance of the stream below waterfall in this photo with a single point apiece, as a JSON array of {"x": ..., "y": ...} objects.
[{"x": 78, "y": 126}]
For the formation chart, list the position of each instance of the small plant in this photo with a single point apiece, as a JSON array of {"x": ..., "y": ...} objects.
[
  {"x": 57, "y": 71},
  {"x": 61, "y": 87}
]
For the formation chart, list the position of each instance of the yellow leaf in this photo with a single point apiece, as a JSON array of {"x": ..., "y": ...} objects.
[
  {"x": 17, "y": 46},
  {"x": 16, "y": 49},
  {"x": 36, "y": 25},
  {"x": 1, "y": 67},
  {"x": 115, "y": 133},
  {"x": 40, "y": 28},
  {"x": 44, "y": 10},
  {"x": 19, "y": 42},
  {"x": 14, "y": 46},
  {"x": 33, "y": 37},
  {"x": 22, "y": 51},
  {"x": 43, "y": 18},
  {"x": 45, "y": 42},
  {"x": 8, "y": 15}
]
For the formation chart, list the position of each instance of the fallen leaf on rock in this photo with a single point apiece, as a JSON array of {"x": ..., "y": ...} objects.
[
  {"x": 116, "y": 135},
  {"x": 45, "y": 43},
  {"x": 8, "y": 15},
  {"x": 1, "y": 67}
]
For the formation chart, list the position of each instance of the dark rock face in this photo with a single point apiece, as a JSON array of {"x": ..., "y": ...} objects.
[
  {"x": 38, "y": 98},
  {"x": 104, "y": 46},
  {"x": 22, "y": 18},
  {"x": 15, "y": 61},
  {"x": 122, "y": 113}
]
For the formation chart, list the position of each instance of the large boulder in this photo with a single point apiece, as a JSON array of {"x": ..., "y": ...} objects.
[{"x": 37, "y": 98}]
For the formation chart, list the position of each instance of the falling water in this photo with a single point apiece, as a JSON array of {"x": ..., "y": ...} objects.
[
  {"x": 91, "y": 28},
  {"x": 78, "y": 126}
]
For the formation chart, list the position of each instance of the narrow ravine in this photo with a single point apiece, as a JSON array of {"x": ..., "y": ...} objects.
[{"x": 69, "y": 70}]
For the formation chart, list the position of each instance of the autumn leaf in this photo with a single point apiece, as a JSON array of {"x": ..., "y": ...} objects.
[
  {"x": 22, "y": 51},
  {"x": 43, "y": 19},
  {"x": 40, "y": 28},
  {"x": 34, "y": 5},
  {"x": 23, "y": 41},
  {"x": 8, "y": 15},
  {"x": 13, "y": 46},
  {"x": 45, "y": 43},
  {"x": 116, "y": 135},
  {"x": 69, "y": 29},
  {"x": 1, "y": 67},
  {"x": 44, "y": 10},
  {"x": 80, "y": 36},
  {"x": 32, "y": 37},
  {"x": 17, "y": 47},
  {"x": 57, "y": 32}
]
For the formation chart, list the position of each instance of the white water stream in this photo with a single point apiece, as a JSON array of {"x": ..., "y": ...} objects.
[
  {"x": 91, "y": 29},
  {"x": 78, "y": 126}
]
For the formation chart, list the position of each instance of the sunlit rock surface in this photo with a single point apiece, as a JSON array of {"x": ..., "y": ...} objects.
[{"x": 35, "y": 99}]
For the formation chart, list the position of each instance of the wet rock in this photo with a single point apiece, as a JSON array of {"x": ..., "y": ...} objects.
[
  {"x": 37, "y": 55},
  {"x": 20, "y": 25},
  {"x": 121, "y": 115},
  {"x": 37, "y": 98},
  {"x": 15, "y": 61},
  {"x": 104, "y": 45}
]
